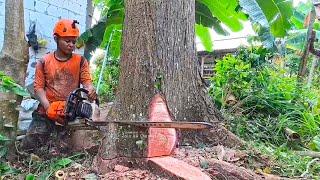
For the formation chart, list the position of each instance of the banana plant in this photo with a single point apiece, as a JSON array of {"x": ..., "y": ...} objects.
[
  {"x": 297, "y": 36},
  {"x": 210, "y": 14},
  {"x": 98, "y": 36},
  {"x": 270, "y": 17}
]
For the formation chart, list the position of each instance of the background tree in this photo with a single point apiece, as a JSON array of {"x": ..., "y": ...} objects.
[{"x": 13, "y": 62}]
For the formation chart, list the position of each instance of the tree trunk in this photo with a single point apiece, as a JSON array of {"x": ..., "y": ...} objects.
[
  {"x": 89, "y": 14},
  {"x": 13, "y": 61},
  {"x": 158, "y": 54}
]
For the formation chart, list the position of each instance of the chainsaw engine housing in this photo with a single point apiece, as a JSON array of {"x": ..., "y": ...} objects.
[{"x": 78, "y": 106}]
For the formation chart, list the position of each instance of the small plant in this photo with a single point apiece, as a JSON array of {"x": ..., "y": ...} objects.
[
  {"x": 232, "y": 76},
  {"x": 285, "y": 161},
  {"x": 5, "y": 168},
  {"x": 7, "y": 84},
  {"x": 46, "y": 169},
  {"x": 110, "y": 79}
]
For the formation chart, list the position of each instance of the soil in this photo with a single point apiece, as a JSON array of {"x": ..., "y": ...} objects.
[{"x": 201, "y": 157}]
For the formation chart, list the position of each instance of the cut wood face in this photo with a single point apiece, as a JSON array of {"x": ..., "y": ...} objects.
[{"x": 161, "y": 141}]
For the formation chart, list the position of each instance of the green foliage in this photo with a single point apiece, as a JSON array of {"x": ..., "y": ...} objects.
[
  {"x": 296, "y": 39},
  {"x": 30, "y": 177},
  {"x": 110, "y": 79},
  {"x": 115, "y": 44},
  {"x": 7, "y": 84},
  {"x": 267, "y": 97},
  {"x": 315, "y": 143},
  {"x": 232, "y": 76},
  {"x": 5, "y": 168},
  {"x": 98, "y": 35},
  {"x": 62, "y": 163},
  {"x": 278, "y": 13},
  {"x": 270, "y": 18},
  {"x": 205, "y": 18},
  {"x": 226, "y": 12},
  {"x": 285, "y": 161},
  {"x": 3, "y": 146},
  {"x": 260, "y": 20},
  {"x": 204, "y": 34},
  {"x": 46, "y": 169}
]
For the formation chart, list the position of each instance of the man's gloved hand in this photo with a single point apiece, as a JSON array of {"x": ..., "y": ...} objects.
[{"x": 56, "y": 113}]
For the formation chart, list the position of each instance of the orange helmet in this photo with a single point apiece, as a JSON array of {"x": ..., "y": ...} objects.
[{"x": 66, "y": 27}]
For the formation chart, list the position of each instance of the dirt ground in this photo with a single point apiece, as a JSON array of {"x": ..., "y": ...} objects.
[
  {"x": 201, "y": 157},
  {"x": 204, "y": 158}
]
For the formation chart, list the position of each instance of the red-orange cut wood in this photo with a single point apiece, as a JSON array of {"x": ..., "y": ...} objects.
[{"x": 161, "y": 141}]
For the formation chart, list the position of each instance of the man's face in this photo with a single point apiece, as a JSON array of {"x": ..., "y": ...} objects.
[{"x": 67, "y": 44}]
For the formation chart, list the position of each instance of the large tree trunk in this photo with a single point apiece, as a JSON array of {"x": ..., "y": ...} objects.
[
  {"x": 159, "y": 51},
  {"x": 13, "y": 61}
]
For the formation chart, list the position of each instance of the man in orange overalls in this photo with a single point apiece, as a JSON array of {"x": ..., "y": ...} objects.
[{"x": 57, "y": 75}]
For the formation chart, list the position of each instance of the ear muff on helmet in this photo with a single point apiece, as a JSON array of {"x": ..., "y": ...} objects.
[{"x": 66, "y": 27}]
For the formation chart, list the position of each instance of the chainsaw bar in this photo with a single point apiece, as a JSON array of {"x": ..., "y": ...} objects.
[{"x": 143, "y": 124}]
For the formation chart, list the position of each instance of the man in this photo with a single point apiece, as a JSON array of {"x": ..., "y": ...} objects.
[{"x": 57, "y": 75}]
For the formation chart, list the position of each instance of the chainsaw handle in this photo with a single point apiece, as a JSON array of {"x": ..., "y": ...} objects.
[{"x": 76, "y": 91}]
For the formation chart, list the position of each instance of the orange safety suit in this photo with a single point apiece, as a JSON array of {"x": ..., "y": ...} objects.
[{"x": 60, "y": 78}]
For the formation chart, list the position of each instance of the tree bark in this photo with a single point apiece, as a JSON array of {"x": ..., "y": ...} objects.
[
  {"x": 158, "y": 54},
  {"x": 89, "y": 14},
  {"x": 13, "y": 61}
]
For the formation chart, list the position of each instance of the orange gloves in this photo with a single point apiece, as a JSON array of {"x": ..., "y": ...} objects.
[{"x": 55, "y": 112}]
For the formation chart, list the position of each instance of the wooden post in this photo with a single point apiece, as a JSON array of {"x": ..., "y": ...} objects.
[{"x": 304, "y": 58}]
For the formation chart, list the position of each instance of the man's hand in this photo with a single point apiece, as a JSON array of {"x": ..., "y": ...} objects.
[
  {"x": 92, "y": 95},
  {"x": 46, "y": 104},
  {"x": 41, "y": 96}
]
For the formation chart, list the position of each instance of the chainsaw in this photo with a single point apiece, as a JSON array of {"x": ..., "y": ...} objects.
[{"x": 79, "y": 115}]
